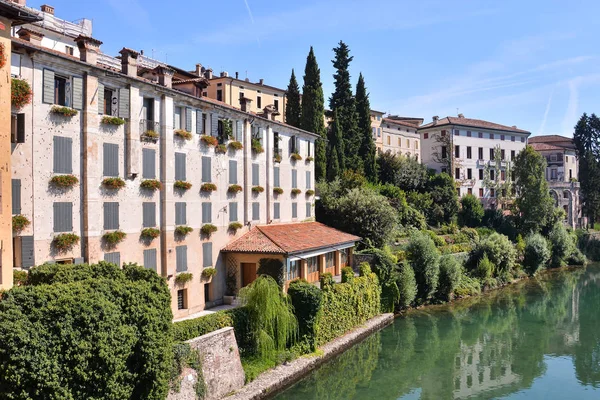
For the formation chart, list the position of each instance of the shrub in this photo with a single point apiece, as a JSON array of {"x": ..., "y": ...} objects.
[
  {"x": 307, "y": 300},
  {"x": 234, "y": 226},
  {"x": 192, "y": 328},
  {"x": 65, "y": 241},
  {"x": 113, "y": 183},
  {"x": 209, "y": 272},
  {"x": 407, "y": 285},
  {"x": 471, "y": 234},
  {"x": 64, "y": 181},
  {"x": 209, "y": 140},
  {"x": 221, "y": 149},
  {"x": 588, "y": 244},
  {"x": 500, "y": 252},
  {"x": 19, "y": 277},
  {"x": 183, "y": 230},
  {"x": 278, "y": 190},
  {"x": 296, "y": 191},
  {"x": 450, "y": 273},
  {"x": 467, "y": 286},
  {"x": 234, "y": 189},
  {"x": 471, "y": 211},
  {"x": 296, "y": 157},
  {"x": 347, "y": 274},
  {"x": 97, "y": 332},
  {"x": 151, "y": 184},
  {"x": 182, "y": 133},
  {"x": 184, "y": 356},
  {"x": 235, "y": 145},
  {"x": 208, "y": 229},
  {"x": 423, "y": 258},
  {"x": 183, "y": 277},
  {"x": 208, "y": 187},
  {"x": 150, "y": 233},
  {"x": 485, "y": 268},
  {"x": 437, "y": 240},
  {"x": 20, "y": 93},
  {"x": 257, "y": 189},
  {"x": 536, "y": 253},
  {"x": 114, "y": 238},
  {"x": 577, "y": 258},
  {"x": 182, "y": 185},
  {"x": 64, "y": 111},
  {"x": 384, "y": 266},
  {"x": 562, "y": 245},
  {"x": 271, "y": 267},
  {"x": 19, "y": 222},
  {"x": 108, "y": 120}
]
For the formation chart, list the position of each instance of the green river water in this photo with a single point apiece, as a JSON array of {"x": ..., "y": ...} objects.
[{"x": 537, "y": 339}]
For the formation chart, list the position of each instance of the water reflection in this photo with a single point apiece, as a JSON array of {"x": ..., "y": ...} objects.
[{"x": 511, "y": 343}]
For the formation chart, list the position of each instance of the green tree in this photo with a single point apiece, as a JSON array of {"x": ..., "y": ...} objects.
[
  {"x": 471, "y": 211},
  {"x": 405, "y": 172},
  {"x": 536, "y": 253},
  {"x": 503, "y": 188},
  {"x": 343, "y": 102},
  {"x": 587, "y": 144},
  {"x": 445, "y": 199},
  {"x": 534, "y": 203},
  {"x": 335, "y": 149},
  {"x": 424, "y": 257},
  {"x": 367, "y": 150},
  {"x": 407, "y": 285},
  {"x": 293, "y": 108},
  {"x": 562, "y": 245},
  {"x": 450, "y": 273},
  {"x": 312, "y": 111}
]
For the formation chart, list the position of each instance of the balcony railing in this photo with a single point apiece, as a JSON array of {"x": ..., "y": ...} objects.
[
  {"x": 277, "y": 154},
  {"x": 149, "y": 130}
]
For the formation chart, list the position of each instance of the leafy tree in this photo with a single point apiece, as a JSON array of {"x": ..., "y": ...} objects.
[
  {"x": 424, "y": 257},
  {"x": 445, "y": 199},
  {"x": 562, "y": 244},
  {"x": 384, "y": 266},
  {"x": 409, "y": 216},
  {"x": 407, "y": 285},
  {"x": 312, "y": 111},
  {"x": 367, "y": 150},
  {"x": 405, "y": 172},
  {"x": 450, "y": 273},
  {"x": 471, "y": 211},
  {"x": 587, "y": 139},
  {"x": 293, "y": 109},
  {"x": 306, "y": 299},
  {"x": 503, "y": 188},
  {"x": 534, "y": 202},
  {"x": 343, "y": 102},
  {"x": 499, "y": 250},
  {"x": 335, "y": 149},
  {"x": 536, "y": 254}
]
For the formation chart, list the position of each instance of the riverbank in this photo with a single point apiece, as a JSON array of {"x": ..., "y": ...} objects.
[{"x": 281, "y": 377}]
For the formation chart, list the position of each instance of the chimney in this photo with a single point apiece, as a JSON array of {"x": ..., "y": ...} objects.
[
  {"x": 461, "y": 116},
  {"x": 245, "y": 103},
  {"x": 237, "y": 75},
  {"x": 514, "y": 127},
  {"x": 209, "y": 73},
  {"x": 88, "y": 49},
  {"x": 224, "y": 74},
  {"x": 47, "y": 9},
  {"x": 267, "y": 111},
  {"x": 165, "y": 76},
  {"x": 199, "y": 69},
  {"x": 31, "y": 36},
  {"x": 129, "y": 62},
  {"x": 435, "y": 118},
  {"x": 261, "y": 81}
]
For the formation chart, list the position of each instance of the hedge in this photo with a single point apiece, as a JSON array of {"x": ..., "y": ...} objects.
[{"x": 307, "y": 300}]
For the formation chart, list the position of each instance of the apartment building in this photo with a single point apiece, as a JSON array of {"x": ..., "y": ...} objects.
[
  {"x": 123, "y": 160},
  {"x": 233, "y": 91},
  {"x": 473, "y": 151},
  {"x": 400, "y": 137},
  {"x": 561, "y": 173}
]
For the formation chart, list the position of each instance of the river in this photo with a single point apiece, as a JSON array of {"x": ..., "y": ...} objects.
[{"x": 537, "y": 339}]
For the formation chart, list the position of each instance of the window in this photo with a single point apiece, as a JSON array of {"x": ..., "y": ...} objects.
[
  {"x": 522, "y": 139},
  {"x": 308, "y": 180},
  {"x": 276, "y": 211},
  {"x": 181, "y": 258},
  {"x": 111, "y": 215},
  {"x": 233, "y": 212},
  {"x": 456, "y": 132},
  {"x": 148, "y": 110},
  {"x": 17, "y": 128},
  {"x": 443, "y": 133},
  {"x": 570, "y": 174},
  {"x": 502, "y": 154},
  {"x": 512, "y": 155},
  {"x": 492, "y": 193},
  {"x": 180, "y": 169},
  {"x": 374, "y": 131},
  {"x": 399, "y": 142},
  {"x": 148, "y": 163},
  {"x": 207, "y": 256},
  {"x": 416, "y": 145},
  {"x": 294, "y": 210},
  {"x": 276, "y": 104},
  {"x": 479, "y": 135},
  {"x": 480, "y": 192},
  {"x": 469, "y": 155},
  {"x": 60, "y": 91},
  {"x": 501, "y": 137},
  {"x": 408, "y": 143},
  {"x": 180, "y": 213},
  {"x": 470, "y": 191},
  {"x": 63, "y": 148},
  {"x": 379, "y": 118},
  {"x": 148, "y": 215},
  {"x": 469, "y": 173},
  {"x": 63, "y": 217},
  {"x": 292, "y": 270},
  {"x": 258, "y": 102},
  {"x": 458, "y": 192},
  {"x": 468, "y": 133},
  {"x": 378, "y": 132},
  {"x": 457, "y": 173},
  {"x": 111, "y": 101},
  {"x": 182, "y": 299},
  {"x": 480, "y": 153},
  {"x": 444, "y": 152},
  {"x": 457, "y": 151},
  {"x": 553, "y": 174},
  {"x": 312, "y": 264},
  {"x": 330, "y": 260},
  {"x": 502, "y": 175},
  {"x": 219, "y": 95},
  {"x": 150, "y": 259},
  {"x": 177, "y": 115},
  {"x": 491, "y": 154},
  {"x": 207, "y": 212},
  {"x": 255, "y": 174},
  {"x": 553, "y": 157},
  {"x": 308, "y": 210},
  {"x": 15, "y": 65},
  {"x": 110, "y": 159},
  {"x": 426, "y": 135},
  {"x": 276, "y": 177},
  {"x": 255, "y": 211},
  {"x": 113, "y": 258},
  {"x": 444, "y": 170},
  {"x": 480, "y": 174},
  {"x": 491, "y": 135},
  {"x": 512, "y": 138},
  {"x": 492, "y": 174},
  {"x": 69, "y": 50}
]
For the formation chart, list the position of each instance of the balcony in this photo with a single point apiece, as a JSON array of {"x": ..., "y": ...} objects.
[
  {"x": 149, "y": 130},
  {"x": 492, "y": 163}
]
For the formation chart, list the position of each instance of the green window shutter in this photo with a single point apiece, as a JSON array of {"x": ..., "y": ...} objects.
[
  {"x": 63, "y": 157},
  {"x": 308, "y": 180},
  {"x": 238, "y": 130},
  {"x": 294, "y": 210},
  {"x": 276, "y": 179},
  {"x": 100, "y": 98},
  {"x": 207, "y": 255},
  {"x": 180, "y": 173},
  {"x": 150, "y": 259},
  {"x": 256, "y": 211},
  {"x": 199, "y": 122},
  {"x": 308, "y": 210},
  {"x": 276, "y": 211},
  {"x": 233, "y": 212},
  {"x": 77, "y": 93},
  {"x": 48, "y": 92},
  {"x": 214, "y": 125},
  {"x": 124, "y": 103},
  {"x": 294, "y": 179},
  {"x": 180, "y": 213},
  {"x": 16, "y": 196}
]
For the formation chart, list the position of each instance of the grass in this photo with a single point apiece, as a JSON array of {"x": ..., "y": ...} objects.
[
  {"x": 254, "y": 366},
  {"x": 597, "y": 226}
]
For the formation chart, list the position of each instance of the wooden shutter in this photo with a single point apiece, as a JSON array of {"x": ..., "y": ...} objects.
[
  {"x": 63, "y": 160},
  {"x": 255, "y": 211},
  {"x": 124, "y": 103},
  {"x": 206, "y": 213},
  {"x": 180, "y": 213},
  {"x": 276, "y": 179},
  {"x": 232, "y": 172},
  {"x": 16, "y": 196},
  {"x": 308, "y": 180},
  {"x": 180, "y": 174},
  {"x": 111, "y": 159},
  {"x": 111, "y": 215},
  {"x": 233, "y": 212},
  {"x": 21, "y": 128},
  {"x": 214, "y": 125},
  {"x": 63, "y": 217},
  {"x": 149, "y": 215},
  {"x": 238, "y": 130},
  {"x": 255, "y": 175},
  {"x": 27, "y": 253},
  {"x": 114, "y": 258},
  {"x": 188, "y": 119},
  {"x": 199, "y": 122},
  {"x": 150, "y": 259},
  {"x": 206, "y": 169},
  {"x": 181, "y": 254},
  {"x": 148, "y": 163},
  {"x": 48, "y": 93},
  {"x": 294, "y": 179},
  {"x": 100, "y": 98},
  {"x": 207, "y": 255},
  {"x": 77, "y": 93},
  {"x": 276, "y": 211},
  {"x": 294, "y": 210}
]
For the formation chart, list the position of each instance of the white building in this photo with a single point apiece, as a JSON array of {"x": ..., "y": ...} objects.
[{"x": 400, "y": 137}]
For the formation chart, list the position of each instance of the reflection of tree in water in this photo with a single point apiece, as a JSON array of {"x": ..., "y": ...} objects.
[{"x": 477, "y": 348}]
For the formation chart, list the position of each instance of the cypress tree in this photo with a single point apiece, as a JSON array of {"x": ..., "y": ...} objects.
[
  {"x": 344, "y": 103},
  {"x": 367, "y": 148},
  {"x": 293, "y": 108},
  {"x": 313, "y": 109},
  {"x": 335, "y": 149}
]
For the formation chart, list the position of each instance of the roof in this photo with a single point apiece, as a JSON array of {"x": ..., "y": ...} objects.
[
  {"x": 18, "y": 14},
  {"x": 549, "y": 139},
  {"x": 377, "y": 112},
  {"x": 545, "y": 147},
  {"x": 475, "y": 123},
  {"x": 244, "y": 82},
  {"x": 400, "y": 122},
  {"x": 289, "y": 238}
]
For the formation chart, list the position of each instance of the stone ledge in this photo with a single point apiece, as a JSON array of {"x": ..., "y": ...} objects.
[{"x": 283, "y": 376}]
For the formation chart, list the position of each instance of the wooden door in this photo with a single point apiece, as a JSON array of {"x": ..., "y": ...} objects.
[{"x": 248, "y": 273}]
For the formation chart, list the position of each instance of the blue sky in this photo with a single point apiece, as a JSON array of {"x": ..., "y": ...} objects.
[{"x": 527, "y": 63}]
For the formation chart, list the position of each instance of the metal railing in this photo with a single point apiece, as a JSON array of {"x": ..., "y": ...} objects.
[{"x": 149, "y": 129}]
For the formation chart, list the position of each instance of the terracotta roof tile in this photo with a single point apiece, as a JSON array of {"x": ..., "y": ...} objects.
[
  {"x": 545, "y": 146},
  {"x": 549, "y": 139},
  {"x": 253, "y": 242},
  {"x": 476, "y": 123},
  {"x": 399, "y": 122}
]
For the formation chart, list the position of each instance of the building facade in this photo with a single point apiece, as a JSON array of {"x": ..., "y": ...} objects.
[
  {"x": 376, "y": 121},
  {"x": 400, "y": 137},
  {"x": 477, "y": 153}
]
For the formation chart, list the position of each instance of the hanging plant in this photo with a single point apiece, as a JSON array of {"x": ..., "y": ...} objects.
[
  {"x": 183, "y": 230},
  {"x": 278, "y": 190},
  {"x": 208, "y": 273},
  {"x": 256, "y": 146},
  {"x": 108, "y": 120},
  {"x": 65, "y": 241},
  {"x": 114, "y": 238},
  {"x": 64, "y": 181},
  {"x": 150, "y": 233},
  {"x": 183, "y": 278},
  {"x": 113, "y": 183},
  {"x": 208, "y": 229},
  {"x": 277, "y": 158},
  {"x": 182, "y": 185},
  {"x": 234, "y": 189},
  {"x": 64, "y": 111},
  {"x": 150, "y": 134},
  {"x": 151, "y": 184},
  {"x": 234, "y": 226},
  {"x": 208, "y": 187},
  {"x": 310, "y": 192},
  {"x": 20, "y": 93},
  {"x": 209, "y": 140},
  {"x": 19, "y": 222},
  {"x": 221, "y": 149},
  {"x": 296, "y": 191},
  {"x": 235, "y": 145},
  {"x": 309, "y": 159},
  {"x": 296, "y": 157},
  {"x": 182, "y": 133},
  {"x": 258, "y": 189}
]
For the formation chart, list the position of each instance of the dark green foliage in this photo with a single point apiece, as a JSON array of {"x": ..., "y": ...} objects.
[
  {"x": 405, "y": 172},
  {"x": 408, "y": 216},
  {"x": 191, "y": 328},
  {"x": 367, "y": 150},
  {"x": 306, "y": 299},
  {"x": 586, "y": 139},
  {"x": 424, "y": 260},
  {"x": 347, "y": 274},
  {"x": 536, "y": 254},
  {"x": 498, "y": 222},
  {"x": 588, "y": 244},
  {"x": 407, "y": 285},
  {"x": 450, "y": 274},
  {"x": 445, "y": 200},
  {"x": 273, "y": 268},
  {"x": 500, "y": 252},
  {"x": 471, "y": 211},
  {"x": 293, "y": 108},
  {"x": 562, "y": 245},
  {"x": 313, "y": 109},
  {"x": 326, "y": 280},
  {"x": 484, "y": 268},
  {"x": 335, "y": 149},
  {"x": 384, "y": 266},
  {"x": 86, "y": 332}
]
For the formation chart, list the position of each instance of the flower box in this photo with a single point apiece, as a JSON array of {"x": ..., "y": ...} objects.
[
  {"x": 183, "y": 230},
  {"x": 183, "y": 278},
  {"x": 19, "y": 222},
  {"x": 208, "y": 229},
  {"x": 113, "y": 183},
  {"x": 234, "y": 189},
  {"x": 65, "y": 241},
  {"x": 20, "y": 94},
  {"x": 256, "y": 146},
  {"x": 296, "y": 191},
  {"x": 278, "y": 190},
  {"x": 108, "y": 120},
  {"x": 296, "y": 157},
  {"x": 114, "y": 238},
  {"x": 208, "y": 187},
  {"x": 235, "y": 145},
  {"x": 151, "y": 184},
  {"x": 150, "y": 233},
  {"x": 151, "y": 135},
  {"x": 309, "y": 159},
  {"x": 182, "y": 185},
  {"x": 234, "y": 226},
  {"x": 277, "y": 158},
  {"x": 182, "y": 133},
  {"x": 258, "y": 189},
  {"x": 310, "y": 192},
  {"x": 64, "y": 111},
  {"x": 208, "y": 273},
  {"x": 209, "y": 140},
  {"x": 64, "y": 181},
  {"x": 221, "y": 149}
]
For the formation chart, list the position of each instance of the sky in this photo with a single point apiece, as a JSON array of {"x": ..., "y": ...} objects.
[{"x": 533, "y": 64}]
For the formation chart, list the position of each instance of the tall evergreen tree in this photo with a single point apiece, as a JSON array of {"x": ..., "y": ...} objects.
[
  {"x": 367, "y": 148},
  {"x": 587, "y": 144},
  {"x": 335, "y": 149},
  {"x": 344, "y": 103},
  {"x": 293, "y": 108},
  {"x": 313, "y": 109}
]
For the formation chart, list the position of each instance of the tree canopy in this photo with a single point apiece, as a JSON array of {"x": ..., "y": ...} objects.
[
  {"x": 367, "y": 150},
  {"x": 293, "y": 109},
  {"x": 587, "y": 143}
]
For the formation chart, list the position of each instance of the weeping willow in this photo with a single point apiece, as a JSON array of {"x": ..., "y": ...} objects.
[{"x": 272, "y": 323}]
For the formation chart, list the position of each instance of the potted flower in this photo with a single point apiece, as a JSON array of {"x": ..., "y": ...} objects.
[
  {"x": 208, "y": 273},
  {"x": 257, "y": 189},
  {"x": 221, "y": 149},
  {"x": 19, "y": 222},
  {"x": 234, "y": 189},
  {"x": 113, "y": 183},
  {"x": 182, "y": 185},
  {"x": 65, "y": 241},
  {"x": 235, "y": 145},
  {"x": 208, "y": 229},
  {"x": 183, "y": 134},
  {"x": 108, "y": 120},
  {"x": 310, "y": 192},
  {"x": 21, "y": 93},
  {"x": 208, "y": 187},
  {"x": 256, "y": 146},
  {"x": 296, "y": 157},
  {"x": 64, "y": 111},
  {"x": 183, "y": 277},
  {"x": 209, "y": 140},
  {"x": 234, "y": 227},
  {"x": 183, "y": 230},
  {"x": 151, "y": 184},
  {"x": 296, "y": 191},
  {"x": 114, "y": 238},
  {"x": 64, "y": 181},
  {"x": 150, "y": 233},
  {"x": 277, "y": 190}
]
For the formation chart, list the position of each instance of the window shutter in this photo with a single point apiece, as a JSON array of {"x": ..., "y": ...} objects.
[
  {"x": 206, "y": 213},
  {"x": 180, "y": 167},
  {"x": 21, "y": 128},
  {"x": 238, "y": 130},
  {"x": 27, "y": 254},
  {"x": 149, "y": 215},
  {"x": 181, "y": 254},
  {"x": 233, "y": 212},
  {"x": 292, "y": 143},
  {"x": 276, "y": 180},
  {"x": 214, "y": 125},
  {"x": 124, "y": 103},
  {"x": 294, "y": 179},
  {"x": 111, "y": 215},
  {"x": 255, "y": 211},
  {"x": 150, "y": 259},
  {"x": 149, "y": 163},
  {"x": 114, "y": 258},
  {"x": 232, "y": 172},
  {"x": 276, "y": 211},
  {"x": 255, "y": 174},
  {"x": 180, "y": 213},
  {"x": 77, "y": 93},
  {"x": 207, "y": 255},
  {"x": 199, "y": 122},
  {"x": 308, "y": 210},
  {"x": 308, "y": 180},
  {"x": 100, "y": 98},
  {"x": 63, "y": 217},
  {"x": 111, "y": 159},
  {"x": 48, "y": 93},
  {"x": 188, "y": 119},
  {"x": 16, "y": 196},
  {"x": 294, "y": 210},
  {"x": 297, "y": 144},
  {"x": 206, "y": 169},
  {"x": 63, "y": 155}
]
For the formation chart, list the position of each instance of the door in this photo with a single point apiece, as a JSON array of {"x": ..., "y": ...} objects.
[{"x": 248, "y": 273}]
